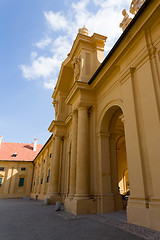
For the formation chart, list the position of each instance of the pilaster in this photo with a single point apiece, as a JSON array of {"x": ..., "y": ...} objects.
[{"x": 72, "y": 187}]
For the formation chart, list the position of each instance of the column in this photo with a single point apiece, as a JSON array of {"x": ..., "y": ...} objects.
[
  {"x": 72, "y": 187},
  {"x": 50, "y": 190},
  {"x": 45, "y": 172},
  {"x": 36, "y": 177},
  {"x": 54, "y": 177},
  {"x": 82, "y": 171},
  {"x": 118, "y": 204},
  {"x": 40, "y": 175}
]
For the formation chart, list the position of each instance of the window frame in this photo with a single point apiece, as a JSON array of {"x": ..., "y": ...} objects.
[
  {"x": 23, "y": 168},
  {"x": 1, "y": 181},
  {"x": 21, "y": 177}
]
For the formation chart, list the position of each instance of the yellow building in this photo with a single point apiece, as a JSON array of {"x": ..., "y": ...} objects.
[
  {"x": 106, "y": 132},
  {"x": 42, "y": 167},
  {"x": 16, "y": 168}
]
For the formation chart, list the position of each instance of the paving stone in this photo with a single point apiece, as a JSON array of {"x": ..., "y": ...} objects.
[{"x": 32, "y": 220}]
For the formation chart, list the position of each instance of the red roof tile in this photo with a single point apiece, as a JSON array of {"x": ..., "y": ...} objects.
[{"x": 24, "y": 151}]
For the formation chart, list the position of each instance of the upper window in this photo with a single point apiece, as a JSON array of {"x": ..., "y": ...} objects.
[
  {"x": 44, "y": 160},
  {"x": 23, "y": 169},
  {"x": 50, "y": 155},
  {"x": 1, "y": 168},
  {"x": 21, "y": 182}
]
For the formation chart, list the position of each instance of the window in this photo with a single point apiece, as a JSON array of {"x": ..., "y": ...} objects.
[
  {"x": 1, "y": 168},
  {"x": 50, "y": 155},
  {"x": 44, "y": 160},
  {"x": 23, "y": 169},
  {"x": 0, "y": 181},
  {"x": 48, "y": 176},
  {"x": 47, "y": 179},
  {"x": 14, "y": 154},
  {"x": 42, "y": 181},
  {"x": 21, "y": 182}
]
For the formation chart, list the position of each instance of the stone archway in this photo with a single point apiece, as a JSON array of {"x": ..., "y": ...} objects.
[{"x": 114, "y": 181}]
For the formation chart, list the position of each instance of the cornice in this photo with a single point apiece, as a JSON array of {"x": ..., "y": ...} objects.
[{"x": 77, "y": 87}]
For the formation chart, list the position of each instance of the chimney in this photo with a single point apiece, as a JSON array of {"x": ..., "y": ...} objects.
[
  {"x": 35, "y": 144},
  {"x": 1, "y": 139}
]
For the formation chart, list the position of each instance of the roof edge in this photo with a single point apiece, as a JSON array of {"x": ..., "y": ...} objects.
[
  {"x": 145, "y": 4},
  {"x": 43, "y": 147}
]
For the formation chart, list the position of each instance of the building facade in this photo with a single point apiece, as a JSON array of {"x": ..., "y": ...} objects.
[
  {"x": 106, "y": 132},
  {"x": 42, "y": 170},
  {"x": 16, "y": 168}
]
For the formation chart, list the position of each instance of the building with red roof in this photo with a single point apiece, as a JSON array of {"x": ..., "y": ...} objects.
[{"x": 16, "y": 168}]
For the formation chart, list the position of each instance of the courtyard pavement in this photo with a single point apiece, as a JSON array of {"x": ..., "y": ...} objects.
[{"x": 31, "y": 220}]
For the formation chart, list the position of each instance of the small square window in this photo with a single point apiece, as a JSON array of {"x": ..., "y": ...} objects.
[
  {"x": 23, "y": 169},
  {"x": 1, "y": 168},
  {"x": 21, "y": 182}
]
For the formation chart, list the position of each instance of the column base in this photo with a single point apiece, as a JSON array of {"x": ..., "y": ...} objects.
[
  {"x": 146, "y": 214},
  {"x": 54, "y": 198},
  {"x": 137, "y": 213},
  {"x": 154, "y": 213},
  {"x": 80, "y": 206},
  {"x": 71, "y": 196},
  {"x": 109, "y": 203}
]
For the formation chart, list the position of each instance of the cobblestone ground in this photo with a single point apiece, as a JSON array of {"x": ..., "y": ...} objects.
[{"x": 32, "y": 220}]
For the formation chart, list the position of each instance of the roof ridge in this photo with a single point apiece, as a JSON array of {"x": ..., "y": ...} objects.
[{"x": 23, "y": 143}]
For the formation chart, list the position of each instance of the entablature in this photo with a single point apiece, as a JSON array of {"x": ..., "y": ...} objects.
[
  {"x": 80, "y": 92},
  {"x": 58, "y": 128}
]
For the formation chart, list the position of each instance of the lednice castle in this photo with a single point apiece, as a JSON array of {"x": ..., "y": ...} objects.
[{"x": 105, "y": 138}]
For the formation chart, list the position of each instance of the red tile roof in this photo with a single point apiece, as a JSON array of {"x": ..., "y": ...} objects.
[{"x": 24, "y": 151}]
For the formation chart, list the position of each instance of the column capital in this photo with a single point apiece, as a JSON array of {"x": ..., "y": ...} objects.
[
  {"x": 132, "y": 70},
  {"x": 103, "y": 134},
  {"x": 46, "y": 152},
  {"x": 74, "y": 112},
  {"x": 58, "y": 137},
  {"x": 82, "y": 107}
]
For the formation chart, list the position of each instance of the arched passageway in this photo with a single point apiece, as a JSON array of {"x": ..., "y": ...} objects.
[{"x": 115, "y": 179}]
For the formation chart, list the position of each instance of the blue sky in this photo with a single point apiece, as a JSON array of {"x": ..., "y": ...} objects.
[{"x": 36, "y": 36}]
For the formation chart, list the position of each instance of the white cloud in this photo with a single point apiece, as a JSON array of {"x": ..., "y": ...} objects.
[
  {"x": 104, "y": 19},
  {"x": 61, "y": 47},
  {"x": 56, "y": 21},
  {"x": 33, "y": 55},
  {"x": 50, "y": 84},
  {"x": 42, "y": 67},
  {"x": 43, "y": 43}
]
